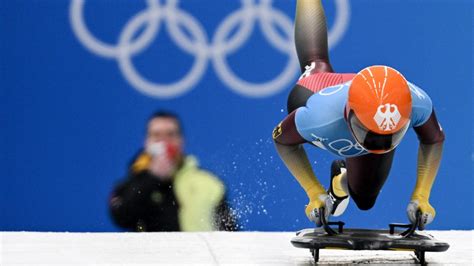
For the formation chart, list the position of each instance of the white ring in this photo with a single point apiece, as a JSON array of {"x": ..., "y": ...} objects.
[
  {"x": 341, "y": 22},
  {"x": 258, "y": 89},
  {"x": 331, "y": 90},
  {"x": 270, "y": 22},
  {"x": 142, "y": 84},
  {"x": 76, "y": 12}
]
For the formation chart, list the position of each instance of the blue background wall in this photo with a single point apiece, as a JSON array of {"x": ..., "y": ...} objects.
[{"x": 70, "y": 120}]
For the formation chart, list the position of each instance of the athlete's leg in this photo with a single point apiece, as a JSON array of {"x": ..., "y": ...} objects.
[
  {"x": 311, "y": 37},
  {"x": 366, "y": 175},
  {"x": 311, "y": 40}
]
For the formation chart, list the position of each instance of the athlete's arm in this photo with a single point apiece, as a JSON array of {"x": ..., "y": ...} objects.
[
  {"x": 288, "y": 143},
  {"x": 431, "y": 137},
  {"x": 311, "y": 36}
]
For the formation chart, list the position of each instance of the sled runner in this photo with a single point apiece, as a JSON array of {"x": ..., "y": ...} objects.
[{"x": 368, "y": 239}]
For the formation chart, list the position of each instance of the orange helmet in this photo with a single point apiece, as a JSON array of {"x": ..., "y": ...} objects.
[{"x": 378, "y": 109}]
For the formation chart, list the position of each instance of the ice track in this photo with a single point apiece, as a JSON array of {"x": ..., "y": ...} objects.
[{"x": 217, "y": 248}]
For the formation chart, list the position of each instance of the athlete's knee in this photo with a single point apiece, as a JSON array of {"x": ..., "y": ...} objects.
[{"x": 363, "y": 202}]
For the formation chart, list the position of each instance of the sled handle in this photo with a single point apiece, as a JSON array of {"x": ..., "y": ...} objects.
[
  {"x": 327, "y": 225},
  {"x": 411, "y": 226}
]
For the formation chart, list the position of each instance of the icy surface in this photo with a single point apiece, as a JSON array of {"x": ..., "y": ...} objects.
[{"x": 218, "y": 248}]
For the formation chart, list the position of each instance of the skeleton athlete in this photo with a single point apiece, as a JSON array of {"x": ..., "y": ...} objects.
[{"x": 361, "y": 117}]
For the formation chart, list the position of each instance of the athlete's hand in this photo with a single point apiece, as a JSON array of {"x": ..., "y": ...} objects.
[
  {"x": 427, "y": 212},
  {"x": 314, "y": 206}
]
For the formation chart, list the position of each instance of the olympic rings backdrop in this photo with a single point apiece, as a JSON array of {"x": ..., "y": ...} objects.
[{"x": 79, "y": 78}]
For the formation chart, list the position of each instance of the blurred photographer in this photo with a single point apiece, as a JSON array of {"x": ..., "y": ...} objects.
[{"x": 165, "y": 189}]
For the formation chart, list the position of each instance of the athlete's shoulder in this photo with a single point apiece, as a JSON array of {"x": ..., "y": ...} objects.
[{"x": 422, "y": 105}]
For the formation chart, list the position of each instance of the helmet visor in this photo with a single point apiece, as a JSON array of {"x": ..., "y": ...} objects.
[{"x": 374, "y": 142}]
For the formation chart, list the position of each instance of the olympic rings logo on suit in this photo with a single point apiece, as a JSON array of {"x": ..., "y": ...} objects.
[
  {"x": 343, "y": 147},
  {"x": 347, "y": 149},
  {"x": 204, "y": 51}
]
